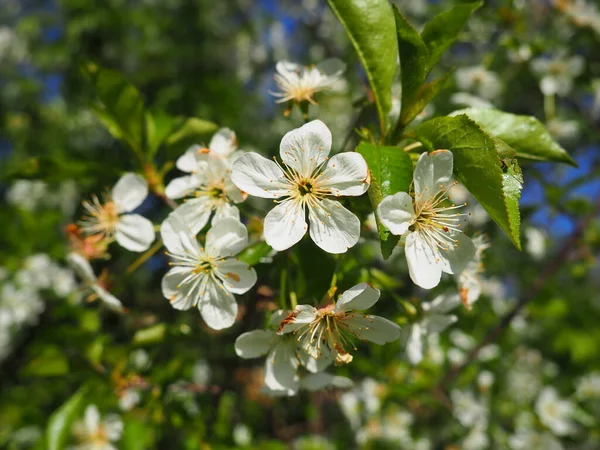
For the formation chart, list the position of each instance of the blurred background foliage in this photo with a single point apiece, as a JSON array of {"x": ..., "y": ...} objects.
[{"x": 178, "y": 384}]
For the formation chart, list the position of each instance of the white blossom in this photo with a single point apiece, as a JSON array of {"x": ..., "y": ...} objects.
[
  {"x": 469, "y": 410},
  {"x": 326, "y": 332},
  {"x": 96, "y": 434},
  {"x": 536, "y": 243},
  {"x": 477, "y": 79},
  {"x": 304, "y": 182},
  {"x": 207, "y": 277},
  {"x": 554, "y": 412},
  {"x": 435, "y": 319},
  {"x": 588, "y": 386},
  {"x": 528, "y": 439},
  {"x": 557, "y": 72},
  {"x": 85, "y": 272},
  {"x": 469, "y": 280},
  {"x": 299, "y": 83},
  {"x": 563, "y": 130},
  {"x": 283, "y": 358},
  {"x": 112, "y": 216},
  {"x": 434, "y": 241}
]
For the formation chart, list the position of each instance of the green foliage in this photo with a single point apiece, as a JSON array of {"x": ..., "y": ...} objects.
[
  {"x": 60, "y": 422},
  {"x": 478, "y": 166},
  {"x": 391, "y": 172},
  {"x": 122, "y": 106},
  {"x": 525, "y": 134},
  {"x": 441, "y": 31},
  {"x": 371, "y": 29},
  {"x": 252, "y": 254},
  {"x": 191, "y": 131}
]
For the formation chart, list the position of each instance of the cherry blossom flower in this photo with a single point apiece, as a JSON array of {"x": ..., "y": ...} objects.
[
  {"x": 434, "y": 241},
  {"x": 554, "y": 412},
  {"x": 557, "y": 72},
  {"x": 110, "y": 219},
  {"x": 304, "y": 182},
  {"x": 85, "y": 272},
  {"x": 209, "y": 183},
  {"x": 484, "y": 83},
  {"x": 299, "y": 84},
  {"x": 469, "y": 280},
  {"x": 283, "y": 358},
  {"x": 97, "y": 434},
  {"x": 435, "y": 319},
  {"x": 206, "y": 277},
  {"x": 326, "y": 332}
]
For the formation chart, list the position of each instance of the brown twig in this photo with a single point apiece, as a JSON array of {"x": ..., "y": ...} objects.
[{"x": 553, "y": 266}]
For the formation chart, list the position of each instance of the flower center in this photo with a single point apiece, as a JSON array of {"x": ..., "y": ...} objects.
[
  {"x": 203, "y": 266},
  {"x": 305, "y": 187},
  {"x": 101, "y": 218},
  {"x": 436, "y": 222}
]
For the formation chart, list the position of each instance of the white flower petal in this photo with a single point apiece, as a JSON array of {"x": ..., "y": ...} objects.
[
  {"x": 226, "y": 210},
  {"x": 217, "y": 306},
  {"x": 129, "y": 192},
  {"x": 300, "y": 316},
  {"x": 436, "y": 323},
  {"x": 415, "y": 344},
  {"x": 109, "y": 300},
  {"x": 333, "y": 227},
  {"x": 82, "y": 267},
  {"x": 360, "y": 297},
  {"x": 306, "y": 147},
  {"x": 442, "y": 304},
  {"x": 181, "y": 296},
  {"x": 194, "y": 213},
  {"x": 285, "y": 225},
  {"x": 237, "y": 276},
  {"x": 224, "y": 142},
  {"x": 227, "y": 238},
  {"x": 259, "y": 176},
  {"x": 232, "y": 191},
  {"x": 331, "y": 67},
  {"x": 373, "y": 328},
  {"x": 396, "y": 212},
  {"x": 177, "y": 237},
  {"x": 424, "y": 263},
  {"x": 193, "y": 160},
  {"x": 345, "y": 174},
  {"x": 281, "y": 367},
  {"x": 433, "y": 170},
  {"x": 316, "y": 381},
  {"x": 253, "y": 344},
  {"x": 315, "y": 365},
  {"x": 456, "y": 258},
  {"x": 92, "y": 419},
  {"x": 134, "y": 232},
  {"x": 181, "y": 187}
]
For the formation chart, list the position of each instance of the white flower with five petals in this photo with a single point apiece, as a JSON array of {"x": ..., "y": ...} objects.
[
  {"x": 207, "y": 277},
  {"x": 97, "y": 434},
  {"x": 283, "y": 358},
  {"x": 111, "y": 219},
  {"x": 303, "y": 183},
  {"x": 434, "y": 241},
  {"x": 326, "y": 332},
  {"x": 209, "y": 183},
  {"x": 300, "y": 84}
]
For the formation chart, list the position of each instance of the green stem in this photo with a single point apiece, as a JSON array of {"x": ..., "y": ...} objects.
[
  {"x": 144, "y": 257},
  {"x": 549, "y": 107},
  {"x": 282, "y": 288}
]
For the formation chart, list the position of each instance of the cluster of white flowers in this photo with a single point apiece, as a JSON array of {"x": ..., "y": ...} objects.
[
  {"x": 33, "y": 195},
  {"x": 480, "y": 81},
  {"x": 557, "y": 72},
  {"x": 97, "y": 433},
  {"x": 22, "y": 295}
]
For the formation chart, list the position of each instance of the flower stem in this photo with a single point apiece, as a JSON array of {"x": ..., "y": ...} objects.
[
  {"x": 549, "y": 107},
  {"x": 144, "y": 257},
  {"x": 282, "y": 288},
  {"x": 412, "y": 146}
]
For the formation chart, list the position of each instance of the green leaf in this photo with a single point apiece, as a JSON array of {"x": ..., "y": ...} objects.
[
  {"x": 391, "y": 171},
  {"x": 254, "y": 253},
  {"x": 478, "y": 166},
  {"x": 372, "y": 30},
  {"x": 158, "y": 126},
  {"x": 421, "y": 98},
  {"x": 61, "y": 420},
  {"x": 192, "y": 131},
  {"x": 525, "y": 134},
  {"x": 122, "y": 105},
  {"x": 441, "y": 31},
  {"x": 51, "y": 362},
  {"x": 137, "y": 435},
  {"x": 150, "y": 335},
  {"x": 413, "y": 60},
  {"x": 512, "y": 182}
]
